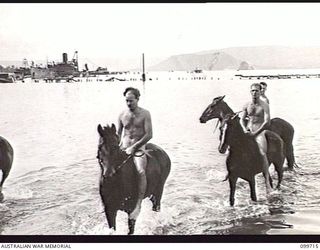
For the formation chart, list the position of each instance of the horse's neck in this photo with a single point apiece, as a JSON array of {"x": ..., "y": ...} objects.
[
  {"x": 225, "y": 110},
  {"x": 239, "y": 139}
]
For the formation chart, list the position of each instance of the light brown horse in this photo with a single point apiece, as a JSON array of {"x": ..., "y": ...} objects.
[
  {"x": 219, "y": 109},
  {"x": 119, "y": 177},
  {"x": 6, "y": 159}
]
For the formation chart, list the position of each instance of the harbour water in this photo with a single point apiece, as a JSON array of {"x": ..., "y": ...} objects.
[{"x": 53, "y": 186}]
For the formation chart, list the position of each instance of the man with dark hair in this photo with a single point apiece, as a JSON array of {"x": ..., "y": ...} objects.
[
  {"x": 135, "y": 91},
  {"x": 263, "y": 96},
  {"x": 259, "y": 117},
  {"x": 135, "y": 130}
]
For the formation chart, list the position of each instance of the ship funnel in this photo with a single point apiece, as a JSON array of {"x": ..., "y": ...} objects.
[
  {"x": 65, "y": 57},
  {"x": 86, "y": 67}
]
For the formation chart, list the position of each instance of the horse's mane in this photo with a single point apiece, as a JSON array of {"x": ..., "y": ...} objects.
[{"x": 227, "y": 107}]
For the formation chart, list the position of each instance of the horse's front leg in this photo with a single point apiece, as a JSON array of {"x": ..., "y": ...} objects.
[
  {"x": 232, "y": 183},
  {"x": 131, "y": 223},
  {"x": 252, "y": 184}
]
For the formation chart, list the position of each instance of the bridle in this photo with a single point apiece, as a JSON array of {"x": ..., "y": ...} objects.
[
  {"x": 234, "y": 115},
  {"x": 118, "y": 167}
]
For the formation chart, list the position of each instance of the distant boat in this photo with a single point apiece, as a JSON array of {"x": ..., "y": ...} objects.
[
  {"x": 112, "y": 79},
  {"x": 57, "y": 70},
  {"x": 197, "y": 71},
  {"x": 7, "y": 77}
]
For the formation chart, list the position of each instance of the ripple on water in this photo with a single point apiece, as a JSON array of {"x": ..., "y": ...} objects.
[{"x": 63, "y": 195}]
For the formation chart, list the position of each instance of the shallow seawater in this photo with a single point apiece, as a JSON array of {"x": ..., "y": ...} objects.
[{"x": 53, "y": 186}]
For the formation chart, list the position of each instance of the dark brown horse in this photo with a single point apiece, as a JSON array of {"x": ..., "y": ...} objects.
[
  {"x": 6, "y": 159},
  {"x": 244, "y": 159},
  {"x": 219, "y": 109},
  {"x": 119, "y": 178}
]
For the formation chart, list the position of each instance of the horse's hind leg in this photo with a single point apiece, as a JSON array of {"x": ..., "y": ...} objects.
[
  {"x": 280, "y": 176},
  {"x": 232, "y": 183},
  {"x": 2, "y": 179},
  {"x": 270, "y": 180},
  {"x": 156, "y": 198},
  {"x": 290, "y": 155},
  {"x": 279, "y": 168},
  {"x": 252, "y": 184}
]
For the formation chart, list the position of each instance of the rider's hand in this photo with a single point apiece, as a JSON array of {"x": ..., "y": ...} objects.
[
  {"x": 249, "y": 133},
  {"x": 130, "y": 150}
]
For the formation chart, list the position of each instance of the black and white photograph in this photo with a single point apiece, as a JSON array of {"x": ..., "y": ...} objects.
[{"x": 160, "y": 119}]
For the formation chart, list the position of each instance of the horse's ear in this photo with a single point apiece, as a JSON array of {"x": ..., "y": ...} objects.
[
  {"x": 221, "y": 98},
  {"x": 100, "y": 130},
  {"x": 218, "y": 99},
  {"x": 113, "y": 127}
]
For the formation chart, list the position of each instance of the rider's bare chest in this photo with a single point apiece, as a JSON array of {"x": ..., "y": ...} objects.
[{"x": 254, "y": 109}]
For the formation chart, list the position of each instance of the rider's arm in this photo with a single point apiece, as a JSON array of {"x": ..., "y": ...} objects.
[
  {"x": 267, "y": 100},
  {"x": 148, "y": 131},
  {"x": 243, "y": 121},
  {"x": 120, "y": 126}
]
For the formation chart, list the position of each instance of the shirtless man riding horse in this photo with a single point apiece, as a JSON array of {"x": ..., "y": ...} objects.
[
  {"x": 259, "y": 117},
  {"x": 135, "y": 130}
]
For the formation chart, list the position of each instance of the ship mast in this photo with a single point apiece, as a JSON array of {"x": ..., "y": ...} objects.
[
  {"x": 143, "y": 76},
  {"x": 143, "y": 70}
]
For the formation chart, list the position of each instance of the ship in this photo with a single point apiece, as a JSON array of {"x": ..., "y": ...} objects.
[
  {"x": 6, "y": 77},
  {"x": 57, "y": 71}
]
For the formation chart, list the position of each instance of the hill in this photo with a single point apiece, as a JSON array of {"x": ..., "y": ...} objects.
[
  {"x": 260, "y": 57},
  {"x": 216, "y": 60}
]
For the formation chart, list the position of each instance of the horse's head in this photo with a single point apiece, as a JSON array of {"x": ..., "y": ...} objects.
[
  {"x": 227, "y": 131},
  {"x": 214, "y": 110},
  {"x": 108, "y": 149}
]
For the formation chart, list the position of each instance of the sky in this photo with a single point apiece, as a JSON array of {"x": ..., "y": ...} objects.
[{"x": 117, "y": 34}]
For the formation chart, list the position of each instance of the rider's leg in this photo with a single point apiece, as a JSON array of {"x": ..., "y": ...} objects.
[
  {"x": 141, "y": 164},
  {"x": 262, "y": 144}
]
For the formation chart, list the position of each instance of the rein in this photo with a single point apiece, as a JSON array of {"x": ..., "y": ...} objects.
[
  {"x": 127, "y": 159},
  {"x": 117, "y": 168},
  {"x": 237, "y": 113},
  {"x": 216, "y": 126}
]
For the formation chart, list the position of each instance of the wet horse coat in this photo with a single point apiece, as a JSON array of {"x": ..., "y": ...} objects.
[
  {"x": 6, "y": 159},
  {"x": 219, "y": 109},
  {"x": 244, "y": 159},
  {"x": 119, "y": 177}
]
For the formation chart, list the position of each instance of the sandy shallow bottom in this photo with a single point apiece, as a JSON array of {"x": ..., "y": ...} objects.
[{"x": 302, "y": 222}]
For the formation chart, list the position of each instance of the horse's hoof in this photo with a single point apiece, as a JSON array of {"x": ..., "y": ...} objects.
[
  {"x": 156, "y": 208},
  {"x": 288, "y": 169},
  {"x": 1, "y": 197}
]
